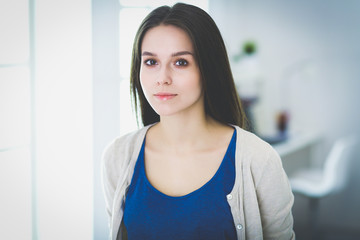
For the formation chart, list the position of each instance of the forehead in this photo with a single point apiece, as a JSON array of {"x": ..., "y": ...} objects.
[{"x": 166, "y": 38}]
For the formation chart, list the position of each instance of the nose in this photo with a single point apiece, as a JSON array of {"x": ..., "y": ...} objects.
[{"x": 164, "y": 77}]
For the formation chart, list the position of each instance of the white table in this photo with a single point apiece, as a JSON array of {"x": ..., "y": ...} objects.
[
  {"x": 298, "y": 150},
  {"x": 297, "y": 142}
]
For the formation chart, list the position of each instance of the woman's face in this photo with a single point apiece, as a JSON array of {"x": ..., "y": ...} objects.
[{"x": 169, "y": 74}]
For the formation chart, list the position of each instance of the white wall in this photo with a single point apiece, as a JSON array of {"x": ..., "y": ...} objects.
[
  {"x": 63, "y": 105},
  {"x": 311, "y": 45}
]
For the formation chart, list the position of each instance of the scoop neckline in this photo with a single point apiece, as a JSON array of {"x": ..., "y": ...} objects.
[{"x": 194, "y": 192}]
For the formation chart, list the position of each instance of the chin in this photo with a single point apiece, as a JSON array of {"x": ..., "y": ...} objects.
[
  {"x": 167, "y": 110},
  {"x": 165, "y": 113}
]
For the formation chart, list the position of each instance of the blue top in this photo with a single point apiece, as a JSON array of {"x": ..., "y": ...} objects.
[{"x": 202, "y": 214}]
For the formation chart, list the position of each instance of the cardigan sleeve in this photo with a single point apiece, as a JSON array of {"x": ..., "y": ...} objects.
[
  {"x": 275, "y": 199},
  {"x": 108, "y": 179}
]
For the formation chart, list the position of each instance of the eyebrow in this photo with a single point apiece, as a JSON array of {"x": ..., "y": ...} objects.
[{"x": 181, "y": 53}]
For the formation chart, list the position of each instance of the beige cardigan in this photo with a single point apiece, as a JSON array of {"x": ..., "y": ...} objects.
[{"x": 260, "y": 202}]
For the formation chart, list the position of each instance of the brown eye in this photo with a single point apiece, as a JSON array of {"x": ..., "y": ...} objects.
[
  {"x": 181, "y": 62},
  {"x": 150, "y": 62}
]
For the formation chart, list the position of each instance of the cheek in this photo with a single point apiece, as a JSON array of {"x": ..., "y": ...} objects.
[
  {"x": 196, "y": 77},
  {"x": 193, "y": 83}
]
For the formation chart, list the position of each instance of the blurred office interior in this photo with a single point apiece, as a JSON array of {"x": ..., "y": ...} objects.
[{"x": 64, "y": 70}]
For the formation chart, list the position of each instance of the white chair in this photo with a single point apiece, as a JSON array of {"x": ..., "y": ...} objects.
[{"x": 318, "y": 183}]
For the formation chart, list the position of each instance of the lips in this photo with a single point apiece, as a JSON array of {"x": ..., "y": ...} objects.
[{"x": 165, "y": 96}]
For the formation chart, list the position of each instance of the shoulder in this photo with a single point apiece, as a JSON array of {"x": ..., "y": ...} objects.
[
  {"x": 252, "y": 145},
  {"x": 257, "y": 155},
  {"x": 120, "y": 150}
]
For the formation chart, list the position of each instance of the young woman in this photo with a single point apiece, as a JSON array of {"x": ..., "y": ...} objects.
[{"x": 192, "y": 172}]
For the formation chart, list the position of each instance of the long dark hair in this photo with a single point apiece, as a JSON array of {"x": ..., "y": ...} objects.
[{"x": 222, "y": 102}]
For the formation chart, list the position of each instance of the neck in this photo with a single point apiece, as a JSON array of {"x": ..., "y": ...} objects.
[{"x": 176, "y": 131}]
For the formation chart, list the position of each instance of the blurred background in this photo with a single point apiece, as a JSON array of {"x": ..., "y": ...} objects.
[{"x": 64, "y": 95}]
